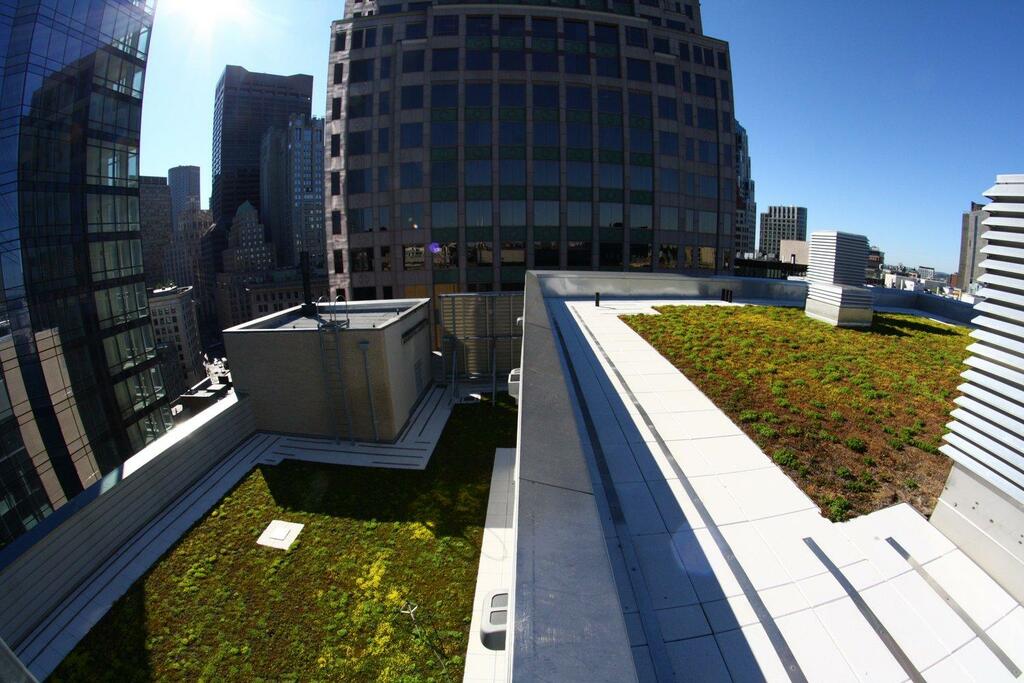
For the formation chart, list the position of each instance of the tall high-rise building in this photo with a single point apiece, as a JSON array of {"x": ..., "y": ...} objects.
[
  {"x": 274, "y": 203},
  {"x": 246, "y": 105},
  {"x": 306, "y": 192},
  {"x": 466, "y": 147},
  {"x": 782, "y": 223},
  {"x": 81, "y": 387},
  {"x": 971, "y": 230},
  {"x": 155, "y": 227},
  {"x": 184, "y": 182},
  {"x": 292, "y": 190},
  {"x": 746, "y": 206}
]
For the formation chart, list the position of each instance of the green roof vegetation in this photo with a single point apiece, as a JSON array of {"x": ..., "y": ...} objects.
[
  {"x": 220, "y": 607},
  {"x": 854, "y": 416}
]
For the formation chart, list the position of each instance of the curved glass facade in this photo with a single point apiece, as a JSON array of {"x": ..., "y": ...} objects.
[
  {"x": 467, "y": 146},
  {"x": 81, "y": 386}
]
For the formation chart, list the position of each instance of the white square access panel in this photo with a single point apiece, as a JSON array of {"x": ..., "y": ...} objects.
[{"x": 280, "y": 534}]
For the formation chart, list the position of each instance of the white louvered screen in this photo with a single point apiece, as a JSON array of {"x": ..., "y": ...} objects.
[{"x": 987, "y": 432}]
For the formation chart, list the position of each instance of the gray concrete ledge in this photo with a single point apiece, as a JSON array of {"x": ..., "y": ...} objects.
[{"x": 567, "y": 623}]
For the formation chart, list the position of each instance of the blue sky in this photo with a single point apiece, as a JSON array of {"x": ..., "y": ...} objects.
[{"x": 879, "y": 117}]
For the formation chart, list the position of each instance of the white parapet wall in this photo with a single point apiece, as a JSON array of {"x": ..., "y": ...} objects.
[{"x": 982, "y": 505}]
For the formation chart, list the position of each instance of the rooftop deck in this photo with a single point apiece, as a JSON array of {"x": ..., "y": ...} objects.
[
  {"x": 726, "y": 571},
  {"x": 721, "y": 568}
]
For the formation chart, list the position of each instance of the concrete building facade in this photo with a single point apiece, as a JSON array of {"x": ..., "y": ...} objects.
[
  {"x": 794, "y": 251},
  {"x": 176, "y": 324},
  {"x": 464, "y": 148},
  {"x": 746, "y": 205},
  {"x": 782, "y": 223},
  {"x": 156, "y": 226},
  {"x": 357, "y": 378},
  {"x": 971, "y": 229}
]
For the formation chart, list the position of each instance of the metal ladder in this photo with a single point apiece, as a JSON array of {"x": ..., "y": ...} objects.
[{"x": 334, "y": 383}]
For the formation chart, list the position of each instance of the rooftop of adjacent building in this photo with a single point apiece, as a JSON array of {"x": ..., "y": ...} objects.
[
  {"x": 362, "y": 315},
  {"x": 169, "y": 292}
]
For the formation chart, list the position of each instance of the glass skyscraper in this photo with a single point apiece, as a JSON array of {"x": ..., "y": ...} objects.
[
  {"x": 467, "y": 144},
  {"x": 81, "y": 388}
]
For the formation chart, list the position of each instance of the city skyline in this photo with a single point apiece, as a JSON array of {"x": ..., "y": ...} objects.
[{"x": 923, "y": 186}]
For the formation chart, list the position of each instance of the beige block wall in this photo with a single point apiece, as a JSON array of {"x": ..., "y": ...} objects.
[{"x": 281, "y": 371}]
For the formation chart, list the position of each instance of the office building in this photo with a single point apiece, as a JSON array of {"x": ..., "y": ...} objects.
[
  {"x": 794, "y": 251},
  {"x": 182, "y": 262},
  {"x": 248, "y": 258},
  {"x": 746, "y": 205},
  {"x": 156, "y": 226},
  {"x": 465, "y": 148},
  {"x": 292, "y": 190},
  {"x": 175, "y": 323},
  {"x": 185, "y": 190},
  {"x": 971, "y": 230},
  {"x": 782, "y": 223},
  {"x": 246, "y": 105},
  {"x": 82, "y": 389},
  {"x": 873, "y": 272},
  {"x": 185, "y": 263}
]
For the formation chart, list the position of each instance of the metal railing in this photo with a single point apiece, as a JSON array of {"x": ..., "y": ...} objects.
[{"x": 481, "y": 337}]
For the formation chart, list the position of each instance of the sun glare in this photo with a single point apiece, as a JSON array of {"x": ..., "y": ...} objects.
[{"x": 204, "y": 17}]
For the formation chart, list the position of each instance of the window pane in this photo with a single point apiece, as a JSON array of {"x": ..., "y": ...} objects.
[
  {"x": 478, "y": 94},
  {"x": 478, "y": 173},
  {"x": 412, "y": 97},
  {"x": 512, "y": 213},
  {"x": 641, "y": 178},
  {"x": 411, "y": 175},
  {"x": 641, "y": 217},
  {"x": 512, "y": 95},
  {"x": 411, "y": 135},
  {"x": 412, "y": 61},
  {"x": 444, "y": 134},
  {"x": 478, "y": 133},
  {"x": 545, "y": 213},
  {"x": 669, "y": 218},
  {"x": 610, "y": 176},
  {"x": 545, "y": 95},
  {"x": 478, "y": 214},
  {"x": 546, "y": 174},
  {"x": 579, "y": 214},
  {"x": 610, "y": 214},
  {"x": 444, "y": 59},
  {"x": 609, "y": 101},
  {"x": 512, "y": 172},
  {"x": 512, "y": 133},
  {"x": 578, "y": 174},
  {"x": 578, "y": 255},
  {"x": 545, "y": 134},
  {"x": 513, "y": 253}
]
